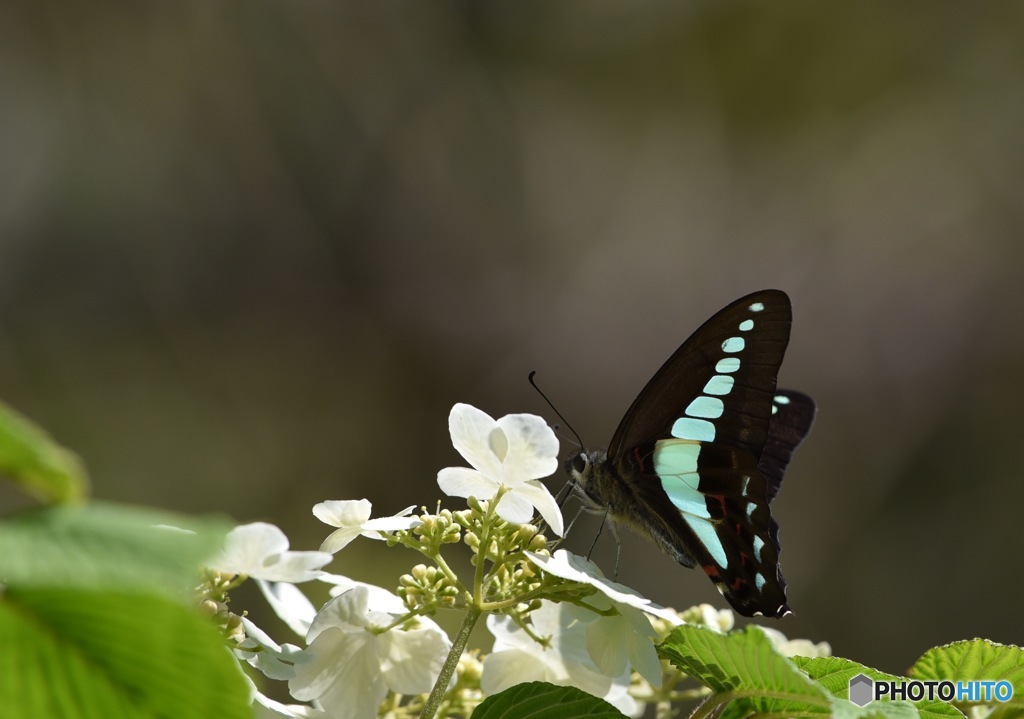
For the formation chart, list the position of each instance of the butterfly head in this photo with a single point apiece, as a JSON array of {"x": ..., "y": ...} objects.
[
  {"x": 592, "y": 482},
  {"x": 579, "y": 466},
  {"x": 576, "y": 465}
]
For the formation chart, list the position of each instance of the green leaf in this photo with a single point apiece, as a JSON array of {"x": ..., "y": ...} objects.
[
  {"x": 540, "y": 700},
  {"x": 30, "y": 457},
  {"x": 835, "y": 673},
  {"x": 70, "y": 654},
  {"x": 105, "y": 546},
  {"x": 749, "y": 676},
  {"x": 743, "y": 667},
  {"x": 977, "y": 659}
]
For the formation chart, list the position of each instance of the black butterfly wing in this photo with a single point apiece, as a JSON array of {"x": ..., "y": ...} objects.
[
  {"x": 747, "y": 341},
  {"x": 708, "y": 503},
  {"x": 792, "y": 417},
  {"x": 691, "y": 444}
]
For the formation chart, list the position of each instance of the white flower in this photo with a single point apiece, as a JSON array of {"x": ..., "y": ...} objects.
[
  {"x": 380, "y": 599},
  {"x": 352, "y": 517},
  {"x": 290, "y": 604},
  {"x": 720, "y": 620},
  {"x": 352, "y": 666},
  {"x": 259, "y": 650},
  {"x": 563, "y": 659},
  {"x": 513, "y": 452},
  {"x": 620, "y": 698},
  {"x": 796, "y": 647},
  {"x": 267, "y": 708},
  {"x": 580, "y": 569},
  {"x": 260, "y": 550},
  {"x": 620, "y": 640}
]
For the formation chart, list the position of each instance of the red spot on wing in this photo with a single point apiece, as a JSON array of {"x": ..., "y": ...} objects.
[{"x": 720, "y": 498}]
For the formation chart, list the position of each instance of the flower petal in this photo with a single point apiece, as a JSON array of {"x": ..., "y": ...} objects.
[
  {"x": 619, "y": 697},
  {"x": 349, "y": 612},
  {"x": 290, "y": 604},
  {"x": 343, "y": 512},
  {"x": 259, "y": 650},
  {"x": 247, "y": 547},
  {"x": 465, "y": 482},
  {"x": 413, "y": 658},
  {"x": 532, "y": 448},
  {"x": 720, "y": 621},
  {"x": 339, "y": 539},
  {"x": 289, "y": 711},
  {"x": 614, "y": 640},
  {"x": 580, "y": 569},
  {"x": 373, "y": 527},
  {"x": 507, "y": 634},
  {"x": 514, "y": 508},
  {"x": 294, "y": 567},
  {"x": 378, "y": 598},
  {"x": 540, "y": 497},
  {"x": 471, "y": 431},
  {"x": 343, "y": 674},
  {"x": 504, "y": 669},
  {"x": 605, "y": 644},
  {"x": 644, "y": 659}
]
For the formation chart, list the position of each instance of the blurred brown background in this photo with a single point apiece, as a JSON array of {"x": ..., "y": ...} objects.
[{"x": 252, "y": 252}]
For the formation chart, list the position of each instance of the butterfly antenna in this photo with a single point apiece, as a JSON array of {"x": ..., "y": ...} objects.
[{"x": 554, "y": 409}]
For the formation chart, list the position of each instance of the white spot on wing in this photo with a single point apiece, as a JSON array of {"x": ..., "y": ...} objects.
[
  {"x": 756, "y": 307},
  {"x": 683, "y": 493},
  {"x": 673, "y": 457},
  {"x": 733, "y": 344},
  {"x": 746, "y": 325},
  {"x": 728, "y": 365},
  {"x": 707, "y": 407},
  {"x": 758, "y": 546},
  {"x": 705, "y": 532},
  {"x": 696, "y": 429},
  {"x": 719, "y": 385}
]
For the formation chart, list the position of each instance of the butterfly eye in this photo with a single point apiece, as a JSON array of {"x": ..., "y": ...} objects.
[{"x": 579, "y": 463}]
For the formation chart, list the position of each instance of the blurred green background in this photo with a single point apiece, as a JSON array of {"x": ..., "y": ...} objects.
[{"x": 252, "y": 252}]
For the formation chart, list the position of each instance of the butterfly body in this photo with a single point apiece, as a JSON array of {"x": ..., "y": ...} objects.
[
  {"x": 602, "y": 489},
  {"x": 701, "y": 453}
]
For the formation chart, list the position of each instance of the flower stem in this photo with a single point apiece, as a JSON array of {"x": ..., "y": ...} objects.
[
  {"x": 450, "y": 663},
  {"x": 664, "y": 710},
  {"x": 485, "y": 543}
]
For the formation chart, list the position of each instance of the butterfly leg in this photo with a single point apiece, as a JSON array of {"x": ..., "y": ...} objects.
[
  {"x": 567, "y": 488},
  {"x": 604, "y": 518},
  {"x": 565, "y": 534},
  {"x": 618, "y": 549}
]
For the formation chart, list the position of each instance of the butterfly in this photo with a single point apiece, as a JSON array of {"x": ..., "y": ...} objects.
[{"x": 700, "y": 454}]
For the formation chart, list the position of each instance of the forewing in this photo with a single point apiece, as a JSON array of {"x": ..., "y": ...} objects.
[{"x": 718, "y": 386}]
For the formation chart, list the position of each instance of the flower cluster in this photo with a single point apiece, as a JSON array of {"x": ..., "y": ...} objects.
[{"x": 369, "y": 652}]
